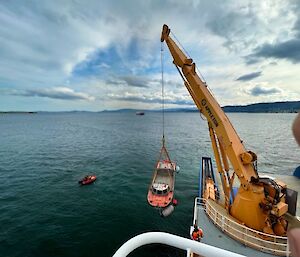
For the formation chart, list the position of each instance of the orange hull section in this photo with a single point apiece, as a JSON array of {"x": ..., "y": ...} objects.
[{"x": 159, "y": 201}]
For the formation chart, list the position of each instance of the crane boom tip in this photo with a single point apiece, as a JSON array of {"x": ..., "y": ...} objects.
[{"x": 165, "y": 32}]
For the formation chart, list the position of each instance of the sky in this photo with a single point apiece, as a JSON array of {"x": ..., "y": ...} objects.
[{"x": 106, "y": 54}]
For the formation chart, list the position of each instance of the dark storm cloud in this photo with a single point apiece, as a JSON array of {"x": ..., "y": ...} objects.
[
  {"x": 258, "y": 90},
  {"x": 249, "y": 76}
]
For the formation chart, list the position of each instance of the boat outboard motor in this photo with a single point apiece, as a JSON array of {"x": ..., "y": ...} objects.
[{"x": 167, "y": 211}]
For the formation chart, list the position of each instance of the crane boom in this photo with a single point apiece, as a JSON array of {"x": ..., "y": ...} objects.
[
  {"x": 216, "y": 117},
  {"x": 249, "y": 205}
]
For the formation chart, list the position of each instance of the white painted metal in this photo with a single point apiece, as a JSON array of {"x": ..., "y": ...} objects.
[
  {"x": 276, "y": 244},
  {"x": 188, "y": 252},
  {"x": 172, "y": 240}
]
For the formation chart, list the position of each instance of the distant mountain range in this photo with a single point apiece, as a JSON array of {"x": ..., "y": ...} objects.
[
  {"x": 157, "y": 110},
  {"x": 283, "y": 107},
  {"x": 291, "y": 106},
  {"x": 17, "y": 112}
]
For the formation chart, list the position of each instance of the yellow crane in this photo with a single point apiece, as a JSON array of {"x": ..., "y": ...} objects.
[{"x": 260, "y": 203}]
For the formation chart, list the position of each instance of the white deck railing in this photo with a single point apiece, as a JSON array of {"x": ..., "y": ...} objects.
[
  {"x": 264, "y": 242},
  {"x": 175, "y": 241}
]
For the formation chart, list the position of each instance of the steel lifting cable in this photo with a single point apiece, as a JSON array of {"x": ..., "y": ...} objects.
[
  {"x": 201, "y": 75},
  {"x": 184, "y": 80},
  {"x": 186, "y": 52},
  {"x": 163, "y": 104},
  {"x": 162, "y": 90}
]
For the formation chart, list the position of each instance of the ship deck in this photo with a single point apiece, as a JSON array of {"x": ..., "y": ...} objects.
[{"x": 216, "y": 237}]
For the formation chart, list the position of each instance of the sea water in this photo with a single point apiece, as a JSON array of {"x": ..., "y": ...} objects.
[{"x": 43, "y": 210}]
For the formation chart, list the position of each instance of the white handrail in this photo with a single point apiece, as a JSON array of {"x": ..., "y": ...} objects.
[
  {"x": 172, "y": 240},
  {"x": 278, "y": 246},
  {"x": 238, "y": 224}
]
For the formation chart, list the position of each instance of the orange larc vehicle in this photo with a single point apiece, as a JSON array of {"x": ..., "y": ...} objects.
[{"x": 161, "y": 189}]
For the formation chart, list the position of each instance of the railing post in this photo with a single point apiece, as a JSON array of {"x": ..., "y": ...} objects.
[
  {"x": 195, "y": 211},
  {"x": 223, "y": 223},
  {"x": 215, "y": 212},
  {"x": 188, "y": 252}
]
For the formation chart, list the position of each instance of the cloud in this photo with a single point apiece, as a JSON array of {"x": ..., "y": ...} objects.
[
  {"x": 259, "y": 28},
  {"x": 62, "y": 93},
  {"x": 132, "y": 81},
  {"x": 258, "y": 90},
  {"x": 229, "y": 24},
  {"x": 249, "y": 76},
  {"x": 289, "y": 50},
  {"x": 99, "y": 47},
  {"x": 154, "y": 98},
  {"x": 281, "y": 48},
  {"x": 135, "y": 81},
  {"x": 46, "y": 43},
  {"x": 242, "y": 25}
]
